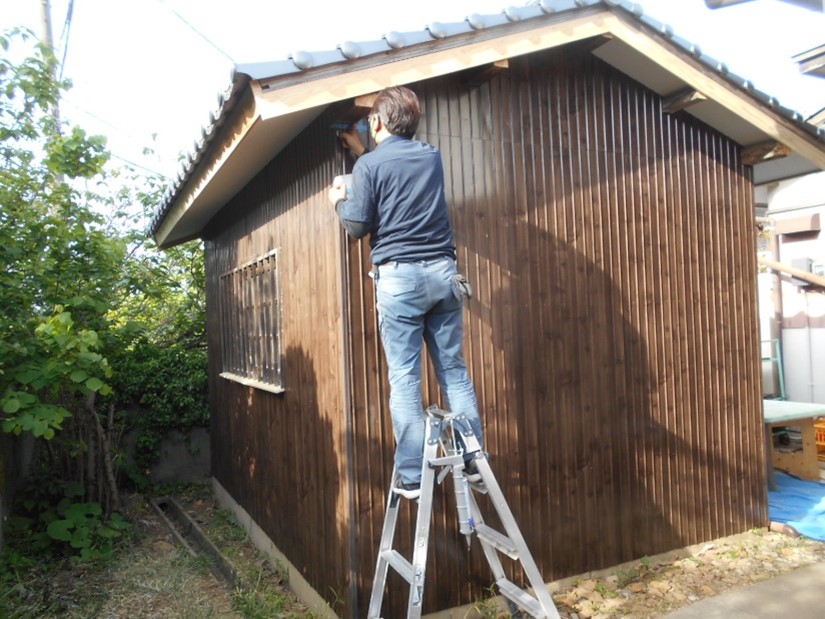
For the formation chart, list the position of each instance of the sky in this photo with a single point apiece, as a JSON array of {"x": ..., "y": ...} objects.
[{"x": 147, "y": 73}]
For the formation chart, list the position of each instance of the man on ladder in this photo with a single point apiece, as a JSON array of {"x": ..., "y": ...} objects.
[{"x": 397, "y": 197}]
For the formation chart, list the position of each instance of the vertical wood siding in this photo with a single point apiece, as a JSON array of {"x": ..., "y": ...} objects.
[
  {"x": 613, "y": 336},
  {"x": 282, "y": 456}
]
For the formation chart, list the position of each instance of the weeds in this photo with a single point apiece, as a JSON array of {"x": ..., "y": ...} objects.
[
  {"x": 626, "y": 577},
  {"x": 646, "y": 562},
  {"x": 486, "y": 607},
  {"x": 147, "y": 575},
  {"x": 226, "y": 526},
  {"x": 605, "y": 590}
]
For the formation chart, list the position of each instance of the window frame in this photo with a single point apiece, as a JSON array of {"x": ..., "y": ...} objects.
[{"x": 251, "y": 318}]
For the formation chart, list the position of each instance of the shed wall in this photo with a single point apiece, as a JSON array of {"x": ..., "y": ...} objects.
[
  {"x": 281, "y": 456},
  {"x": 613, "y": 337}
]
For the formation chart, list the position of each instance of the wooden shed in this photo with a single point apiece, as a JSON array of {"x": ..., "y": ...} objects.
[{"x": 599, "y": 174}]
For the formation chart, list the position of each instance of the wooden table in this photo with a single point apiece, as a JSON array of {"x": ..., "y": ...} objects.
[{"x": 780, "y": 413}]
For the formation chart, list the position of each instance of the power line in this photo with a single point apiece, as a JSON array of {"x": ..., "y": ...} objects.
[
  {"x": 161, "y": 175},
  {"x": 64, "y": 35},
  {"x": 118, "y": 129},
  {"x": 198, "y": 32}
]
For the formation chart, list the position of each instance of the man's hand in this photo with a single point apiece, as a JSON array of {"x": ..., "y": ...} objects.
[
  {"x": 338, "y": 191},
  {"x": 336, "y": 194}
]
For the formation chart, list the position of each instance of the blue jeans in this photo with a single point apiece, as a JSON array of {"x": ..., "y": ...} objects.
[{"x": 416, "y": 303}]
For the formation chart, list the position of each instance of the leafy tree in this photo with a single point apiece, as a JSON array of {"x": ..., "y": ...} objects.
[
  {"x": 57, "y": 264},
  {"x": 56, "y": 260},
  {"x": 84, "y": 295}
]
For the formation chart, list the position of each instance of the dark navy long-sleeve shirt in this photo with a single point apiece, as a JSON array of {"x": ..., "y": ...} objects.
[{"x": 398, "y": 197}]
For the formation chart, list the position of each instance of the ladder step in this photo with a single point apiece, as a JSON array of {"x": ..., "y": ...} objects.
[
  {"x": 497, "y": 540},
  {"x": 520, "y": 597},
  {"x": 399, "y": 564}
]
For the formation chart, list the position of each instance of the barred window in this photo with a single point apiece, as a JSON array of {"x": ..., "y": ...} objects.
[{"x": 250, "y": 310}]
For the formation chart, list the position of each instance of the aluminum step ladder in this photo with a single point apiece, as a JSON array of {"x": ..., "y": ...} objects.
[{"x": 449, "y": 439}]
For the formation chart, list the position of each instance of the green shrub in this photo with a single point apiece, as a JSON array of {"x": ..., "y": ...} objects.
[
  {"x": 165, "y": 387},
  {"x": 52, "y": 521}
]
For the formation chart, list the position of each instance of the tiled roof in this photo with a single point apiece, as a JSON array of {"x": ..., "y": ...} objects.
[{"x": 303, "y": 63}]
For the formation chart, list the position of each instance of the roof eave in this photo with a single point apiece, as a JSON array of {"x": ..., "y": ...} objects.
[
  {"x": 234, "y": 158},
  {"x": 274, "y": 109},
  {"x": 764, "y": 117},
  {"x": 277, "y": 109}
]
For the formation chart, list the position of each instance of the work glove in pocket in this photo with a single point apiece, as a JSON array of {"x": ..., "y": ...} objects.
[{"x": 461, "y": 287}]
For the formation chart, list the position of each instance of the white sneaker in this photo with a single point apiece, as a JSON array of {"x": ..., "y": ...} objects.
[{"x": 408, "y": 491}]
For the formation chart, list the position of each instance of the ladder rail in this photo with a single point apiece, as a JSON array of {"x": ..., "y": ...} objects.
[
  {"x": 453, "y": 435},
  {"x": 385, "y": 546},
  {"x": 422, "y": 532},
  {"x": 508, "y": 520}
]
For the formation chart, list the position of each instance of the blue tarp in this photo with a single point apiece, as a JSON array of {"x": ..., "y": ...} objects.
[{"x": 799, "y": 504}]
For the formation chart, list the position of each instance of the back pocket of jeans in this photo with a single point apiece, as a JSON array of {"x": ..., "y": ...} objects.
[{"x": 395, "y": 287}]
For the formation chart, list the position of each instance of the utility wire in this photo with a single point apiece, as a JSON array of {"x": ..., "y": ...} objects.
[
  {"x": 64, "y": 36},
  {"x": 64, "y": 40},
  {"x": 98, "y": 118},
  {"x": 160, "y": 175},
  {"x": 198, "y": 32},
  {"x": 116, "y": 128}
]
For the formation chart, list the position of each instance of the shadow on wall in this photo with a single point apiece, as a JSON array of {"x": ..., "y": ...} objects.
[
  {"x": 579, "y": 413},
  {"x": 285, "y": 448},
  {"x": 600, "y": 462}
]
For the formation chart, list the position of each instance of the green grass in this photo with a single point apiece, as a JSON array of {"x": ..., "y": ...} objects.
[{"x": 150, "y": 575}]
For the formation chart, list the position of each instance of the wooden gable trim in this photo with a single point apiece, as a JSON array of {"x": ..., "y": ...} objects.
[
  {"x": 243, "y": 120},
  {"x": 681, "y": 100},
  {"x": 480, "y": 75},
  {"x": 276, "y": 101},
  {"x": 759, "y": 153},
  {"x": 714, "y": 86}
]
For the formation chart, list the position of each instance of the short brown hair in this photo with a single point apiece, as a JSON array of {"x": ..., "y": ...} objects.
[{"x": 399, "y": 110}]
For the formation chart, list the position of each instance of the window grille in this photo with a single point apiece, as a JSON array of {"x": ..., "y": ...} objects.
[{"x": 250, "y": 310}]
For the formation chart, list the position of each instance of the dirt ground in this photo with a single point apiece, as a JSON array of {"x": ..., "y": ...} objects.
[
  {"x": 649, "y": 588},
  {"x": 158, "y": 578},
  {"x": 653, "y": 588}
]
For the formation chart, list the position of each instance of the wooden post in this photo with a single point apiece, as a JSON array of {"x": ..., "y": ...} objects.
[{"x": 811, "y": 278}]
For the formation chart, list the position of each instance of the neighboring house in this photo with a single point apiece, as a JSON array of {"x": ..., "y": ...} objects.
[
  {"x": 600, "y": 173},
  {"x": 813, "y": 5},
  {"x": 793, "y": 303},
  {"x": 792, "y": 309}
]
